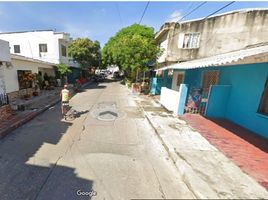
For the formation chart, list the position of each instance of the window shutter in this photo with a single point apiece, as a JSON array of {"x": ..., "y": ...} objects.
[{"x": 180, "y": 40}]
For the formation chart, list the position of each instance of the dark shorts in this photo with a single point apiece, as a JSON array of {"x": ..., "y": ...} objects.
[{"x": 65, "y": 103}]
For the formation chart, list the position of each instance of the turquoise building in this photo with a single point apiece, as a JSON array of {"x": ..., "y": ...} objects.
[{"x": 238, "y": 92}]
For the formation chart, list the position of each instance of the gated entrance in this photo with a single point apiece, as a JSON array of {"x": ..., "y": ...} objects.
[{"x": 198, "y": 97}]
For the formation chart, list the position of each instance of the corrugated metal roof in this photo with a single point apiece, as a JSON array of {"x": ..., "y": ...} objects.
[{"x": 218, "y": 60}]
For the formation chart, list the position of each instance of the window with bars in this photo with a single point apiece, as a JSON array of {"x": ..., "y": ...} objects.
[
  {"x": 16, "y": 48},
  {"x": 191, "y": 40},
  {"x": 42, "y": 48},
  {"x": 210, "y": 78},
  {"x": 263, "y": 106},
  {"x": 180, "y": 79},
  {"x": 63, "y": 51}
]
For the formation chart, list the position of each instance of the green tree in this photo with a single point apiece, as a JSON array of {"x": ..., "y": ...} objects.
[
  {"x": 86, "y": 52},
  {"x": 63, "y": 69},
  {"x": 131, "y": 49}
]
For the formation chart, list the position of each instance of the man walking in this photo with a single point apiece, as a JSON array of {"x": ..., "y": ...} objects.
[{"x": 65, "y": 95}]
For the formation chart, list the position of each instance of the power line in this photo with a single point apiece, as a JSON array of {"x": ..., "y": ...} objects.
[
  {"x": 119, "y": 13},
  {"x": 225, "y": 6},
  {"x": 189, "y": 7},
  {"x": 144, "y": 11},
  {"x": 197, "y": 7},
  {"x": 220, "y": 9}
]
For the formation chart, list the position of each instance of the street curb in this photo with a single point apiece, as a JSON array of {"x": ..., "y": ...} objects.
[
  {"x": 27, "y": 118},
  {"x": 194, "y": 183},
  {"x": 6, "y": 131}
]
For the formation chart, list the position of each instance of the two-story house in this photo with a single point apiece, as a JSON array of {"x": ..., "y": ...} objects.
[
  {"x": 217, "y": 66},
  {"x": 45, "y": 45}
]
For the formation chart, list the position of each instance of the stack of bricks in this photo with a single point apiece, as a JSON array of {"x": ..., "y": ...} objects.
[{"x": 5, "y": 112}]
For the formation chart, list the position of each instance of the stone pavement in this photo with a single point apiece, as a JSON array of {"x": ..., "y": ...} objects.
[
  {"x": 246, "y": 149},
  {"x": 206, "y": 171}
]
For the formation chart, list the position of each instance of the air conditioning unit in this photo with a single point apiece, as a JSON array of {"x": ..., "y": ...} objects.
[{"x": 9, "y": 65}]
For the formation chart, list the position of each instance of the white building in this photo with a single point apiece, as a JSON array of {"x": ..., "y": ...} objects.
[
  {"x": 46, "y": 45},
  {"x": 4, "y": 62},
  {"x": 13, "y": 65}
]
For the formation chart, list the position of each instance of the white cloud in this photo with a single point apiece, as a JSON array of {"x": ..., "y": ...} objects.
[{"x": 175, "y": 16}]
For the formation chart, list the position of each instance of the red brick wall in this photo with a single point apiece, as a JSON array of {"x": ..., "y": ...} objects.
[{"x": 5, "y": 111}]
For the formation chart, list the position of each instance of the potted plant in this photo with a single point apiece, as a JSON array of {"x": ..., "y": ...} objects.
[{"x": 27, "y": 80}]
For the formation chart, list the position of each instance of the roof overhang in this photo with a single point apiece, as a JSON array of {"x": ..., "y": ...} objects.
[
  {"x": 160, "y": 33},
  {"x": 256, "y": 54},
  {"x": 24, "y": 58}
]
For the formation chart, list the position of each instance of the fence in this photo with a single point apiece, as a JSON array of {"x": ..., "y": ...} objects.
[
  {"x": 3, "y": 99},
  {"x": 174, "y": 100}
]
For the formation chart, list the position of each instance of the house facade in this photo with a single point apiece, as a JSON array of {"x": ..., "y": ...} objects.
[
  {"x": 45, "y": 45},
  {"x": 211, "y": 36},
  {"x": 4, "y": 62},
  {"x": 218, "y": 67},
  {"x": 20, "y": 65}
]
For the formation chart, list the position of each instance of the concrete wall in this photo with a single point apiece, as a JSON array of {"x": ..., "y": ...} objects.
[
  {"x": 29, "y": 45},
  {"x": 163, "y": 43},
  {"x": 219, "y": 34},
  {"x": 11, "y": 75},
  {"x": 4, "y": 51},
  {"x": 247, "y": 84}
]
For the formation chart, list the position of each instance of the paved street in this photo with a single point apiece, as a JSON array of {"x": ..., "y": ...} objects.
[{"x": 49, "y": 158}]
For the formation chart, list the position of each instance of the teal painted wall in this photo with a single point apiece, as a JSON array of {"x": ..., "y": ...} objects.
[
  {"x": 156, "y": 84},
  {"x": 167, "y": 80},
  {"x": 247, "y": 86},
  {"x": 218, "y": 101},
  {"x": 247, "y": 83}
]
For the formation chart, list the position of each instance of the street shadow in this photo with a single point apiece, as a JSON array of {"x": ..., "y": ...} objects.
[
  {"x": 26, "y": 170},
  {"x": 245, "y": 134},
  {"x": 112, "y": 80},
  {"x": 93, "y": 85}
]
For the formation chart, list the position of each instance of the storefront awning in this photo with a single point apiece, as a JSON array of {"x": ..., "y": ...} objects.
[{"x": 218, "y": 60}]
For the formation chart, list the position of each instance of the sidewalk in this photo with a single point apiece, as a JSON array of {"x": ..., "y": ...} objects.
[
  {"x": 34, "y": 107},
  {"x": 251, "y": 150},
  {"x": 21, "y": 117},
  {"x": 206, "y": 170}
]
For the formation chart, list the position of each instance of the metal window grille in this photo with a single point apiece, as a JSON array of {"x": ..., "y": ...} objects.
[
  {"x": 63, "y": 51},
  {"x": 42, "y": 48},
  {"x": 191, "y": 40},
  {"x": 179, "y": 79},
  {"x": 210, "y": 78},
  {"x": 3, "y": 99},
  {"x": 16, "y": 48}
]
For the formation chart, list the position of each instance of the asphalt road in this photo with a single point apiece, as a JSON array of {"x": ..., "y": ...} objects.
[{"x": 108, "y": 152}]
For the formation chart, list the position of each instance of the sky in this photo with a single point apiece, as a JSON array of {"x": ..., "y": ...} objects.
[{"x": 101, "y": 20}]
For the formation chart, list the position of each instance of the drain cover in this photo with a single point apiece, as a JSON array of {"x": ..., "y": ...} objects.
[{"x": 107, "y": 111}]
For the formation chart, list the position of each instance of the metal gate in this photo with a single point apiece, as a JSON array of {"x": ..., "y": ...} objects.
[{"x": 197, "y": 101}]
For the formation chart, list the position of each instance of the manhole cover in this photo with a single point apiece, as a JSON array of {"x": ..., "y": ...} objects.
[{"x": 107, "y": 111}]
